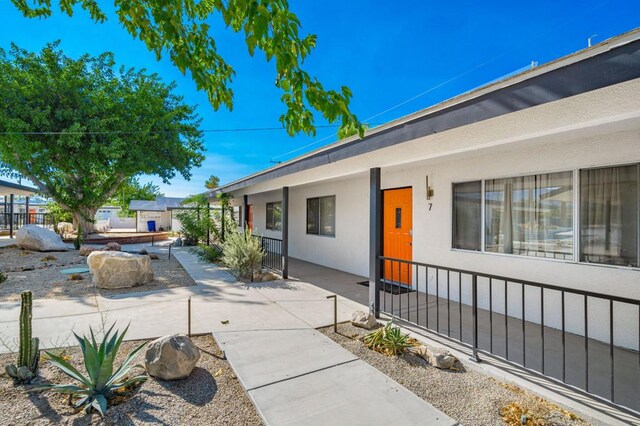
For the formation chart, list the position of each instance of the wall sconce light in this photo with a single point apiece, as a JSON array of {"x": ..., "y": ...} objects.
[{"x": 429, "y": 189}]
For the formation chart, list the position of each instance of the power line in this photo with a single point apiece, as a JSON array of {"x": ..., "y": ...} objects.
[{"x": 139, "y": 132}]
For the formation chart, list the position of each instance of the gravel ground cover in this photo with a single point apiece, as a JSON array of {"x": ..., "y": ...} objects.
[
  {"x": 40, "y": 273},
  {"x": 467, "y": 396},
  {"x": 211, "y": 395}
]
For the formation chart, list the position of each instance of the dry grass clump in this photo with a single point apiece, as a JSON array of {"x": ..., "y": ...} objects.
[
  {"x": 48, "y": 258},
  {"x": 533, "y": 412},
  {"x": 76, "y": 277}
]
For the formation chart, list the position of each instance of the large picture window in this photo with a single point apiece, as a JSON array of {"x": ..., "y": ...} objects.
[
  {"x": 467, "y": 215},
  {"x": 321, "y": 216},
  {"x": 530, "y": 215},
  {"x": 274, "y": 216},
  {"x": 609, "y": 215}
]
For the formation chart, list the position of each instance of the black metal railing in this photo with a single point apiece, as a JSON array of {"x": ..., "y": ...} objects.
[
  {"x": 20, "y": 219},
  {"x": 588, "y": 340},
  {"x": 273, "y": 253}
]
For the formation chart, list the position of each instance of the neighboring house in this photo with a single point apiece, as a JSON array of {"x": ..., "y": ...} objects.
[
  {"x": 535, "y": 177},
  {"x": 160, "y": 210},
  {"x": 108, "y": 212}
]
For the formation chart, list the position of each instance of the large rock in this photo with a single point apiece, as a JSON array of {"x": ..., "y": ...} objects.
[
  {"x": 171, "y": 357},
  {"x": 363, "y": 320},
  {"x": 36, "y": 238},
  {"x": 116, "y": 269},
  {"x": 438, "y": 357},
  {"x": 65, "y": 228},
  {"x": 112, "y": 246},
  {"x": 87, "y": 250}
]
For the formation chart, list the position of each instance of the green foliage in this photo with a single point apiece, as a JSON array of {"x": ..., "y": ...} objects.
[
  {"x": 59, "y": 214},
  {"x": 132, "y": 189},
  {"x": 194, "y": 219},
  {"x": 79, "y": 128},
  {"x": 388, "y": 340},
  {"x": 243, "y": 253},
  {"x": 3, "y": 277},
  {"x": 212, "y": 183},
  {"x": 181, "y": 30},
  {"x": 211, "y": 254},
  {"x": 101, "y": 382},
  {"x": 29, "y": 352}
]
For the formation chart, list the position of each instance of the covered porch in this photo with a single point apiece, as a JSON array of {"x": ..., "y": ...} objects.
[{"x": 10, "y": 219}]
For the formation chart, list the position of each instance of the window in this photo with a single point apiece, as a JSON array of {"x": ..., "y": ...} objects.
[
  {"x": 321, "y": 216},
  {"x": 530, "y": 215},
  {"x": 609, "y": 215},
  {"x": 274, "y": 216},
  {"x": 467, "y": 215}
]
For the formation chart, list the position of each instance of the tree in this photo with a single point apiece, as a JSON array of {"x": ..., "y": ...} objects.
[
  {"x": 179, "y": 29},
  {"x": 212, "y": 183},
  {"x": 80, "y": 128},
  {"x": 132, "y": 189}
]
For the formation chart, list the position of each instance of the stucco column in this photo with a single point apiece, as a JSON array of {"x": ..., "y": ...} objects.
[
  {"x": 285, "y": 232},
  {"x": 245, "y": 215},
  {"x": 375, "y": 240}
]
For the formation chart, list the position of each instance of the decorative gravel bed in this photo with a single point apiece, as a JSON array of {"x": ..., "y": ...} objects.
[
  {"x": 40, "y": 273},
  {"x": 467, "y": 396},
  {"x": 211, "y": 395}
]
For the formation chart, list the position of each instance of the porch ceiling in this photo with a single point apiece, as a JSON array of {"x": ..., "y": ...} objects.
[{"x": 8, "y": 188}]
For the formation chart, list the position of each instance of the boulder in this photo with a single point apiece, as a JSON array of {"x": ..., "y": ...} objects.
[
  {"x": 36, "y": 238},
  {"x": 437, "y": 357},
  {"x": 116, "y": 269},
  {"x": 171, "y": 357},
  {"x": 363, "y": 320},
  {"x": 87, "y": 250},
  {"x": 65, "y": 227},
  {"x": 112, "y": 246}
]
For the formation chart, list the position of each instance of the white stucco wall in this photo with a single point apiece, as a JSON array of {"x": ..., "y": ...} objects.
[
  {"x": 162, "y": 219},
  {"x": 598, "y": 128}
]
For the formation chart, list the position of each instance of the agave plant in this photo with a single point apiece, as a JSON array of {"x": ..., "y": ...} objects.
[
  {"x": 388, "y": 340},
  {"x": 98, "y": 387}
]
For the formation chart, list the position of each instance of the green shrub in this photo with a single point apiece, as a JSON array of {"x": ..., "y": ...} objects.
[
  {"x": 243, "y": 253},
  {"x": 3, "y": 277},
  {"x": 211, "y": 254},
  {"x": 388, "y": 340},
  {"x": 102, "y": 383},
  {"x": 77, "y": 242}
]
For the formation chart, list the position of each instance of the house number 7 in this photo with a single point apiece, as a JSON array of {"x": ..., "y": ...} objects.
[{"x": 430, "y": 205}]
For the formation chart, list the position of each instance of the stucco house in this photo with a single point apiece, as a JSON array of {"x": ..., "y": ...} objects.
[
  {"x": 159, "y": 210},
  {"x": 507, "y": 218}
]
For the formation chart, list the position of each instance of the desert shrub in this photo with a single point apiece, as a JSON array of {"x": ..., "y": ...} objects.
[
  {"x": 211, "y": 254},
  {"x": 243, "y": 253},
  {"x": 388, "y": 340},
  {"x": 194, "y": 220},
  {"x": 3, "y": 277}
]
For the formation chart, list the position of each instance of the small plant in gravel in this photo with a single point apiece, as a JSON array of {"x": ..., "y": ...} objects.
[
  {"x": 102, "y": 386},
  {"x": 76, "y": 277},
  {"x": 48, "y": 258},
  {"x": 243, "y": 253},
  {"x": 29, "y": 354},
  {"x": 388, "y": 340},
  {"x": 3, "y": 277}
]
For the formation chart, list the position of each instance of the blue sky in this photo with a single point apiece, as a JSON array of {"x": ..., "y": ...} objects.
[{"x": 386, "y": 52}]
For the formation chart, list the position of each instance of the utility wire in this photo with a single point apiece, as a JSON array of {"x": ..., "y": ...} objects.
[{"x": 138, "y": 132}]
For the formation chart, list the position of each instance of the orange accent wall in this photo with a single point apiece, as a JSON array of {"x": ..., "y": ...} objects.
[{"x": 397, "y": 215}]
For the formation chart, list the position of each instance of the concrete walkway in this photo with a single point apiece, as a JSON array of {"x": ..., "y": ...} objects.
[{"x": 292, "y": 373}]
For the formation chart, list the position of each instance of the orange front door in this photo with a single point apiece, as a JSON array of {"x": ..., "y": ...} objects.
[{"x": 397, "y": 234}]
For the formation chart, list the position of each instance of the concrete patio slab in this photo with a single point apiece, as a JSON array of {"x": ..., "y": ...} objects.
[
  {"x": 317, "y": 313},
  {"x": 260, "y": 358},
  {"x": 349, "y": 394}
]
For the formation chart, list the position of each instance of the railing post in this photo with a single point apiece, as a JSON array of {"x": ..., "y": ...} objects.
[
  {"x": 285, "y": 232},
  {"x": 474, "y": 301},
  {"x": 27, "y": 219},
  {"x": 11, "y": 216},
  {"x": 209, "y": 223},
  {"x": 375, "y": 240}
]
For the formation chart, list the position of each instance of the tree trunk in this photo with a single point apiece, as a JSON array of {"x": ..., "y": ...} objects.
[{"x": 84, "y": 220}]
